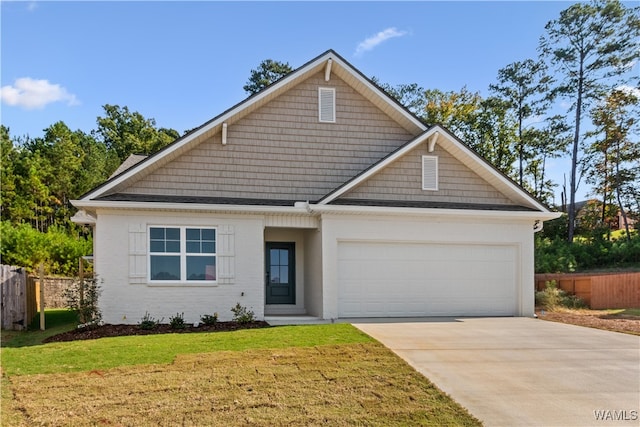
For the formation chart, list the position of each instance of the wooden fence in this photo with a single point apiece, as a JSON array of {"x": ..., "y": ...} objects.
[
  {"x": 13, "y": 283},
  {"x": 21, "y": 296},
  {"x": 599, "y": 291}
]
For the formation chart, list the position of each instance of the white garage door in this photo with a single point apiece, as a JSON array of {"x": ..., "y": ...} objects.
[{"x": 386, "y": 279}]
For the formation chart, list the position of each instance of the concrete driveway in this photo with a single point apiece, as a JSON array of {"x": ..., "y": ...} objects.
[{"x": 523, "y": 371}]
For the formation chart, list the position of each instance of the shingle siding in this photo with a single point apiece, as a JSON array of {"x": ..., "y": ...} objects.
[
  {"x": 282, "y": 151},
  {"x": 402, "y": 181}
]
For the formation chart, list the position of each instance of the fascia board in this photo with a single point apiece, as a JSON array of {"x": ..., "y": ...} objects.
[
  {"x": 433, "y": 212},
  {"x": 93, "y": 205}
]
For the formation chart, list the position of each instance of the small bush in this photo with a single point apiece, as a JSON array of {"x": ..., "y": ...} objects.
[
  {"x": 177, "y": 321},
  {"x": 147, "y": 322},
  {"x": 242, "y": 314},
  {"x": 553, "y": 297},
  {"x": 82, "y": 296},
  {"x": 208, "y": 319}
]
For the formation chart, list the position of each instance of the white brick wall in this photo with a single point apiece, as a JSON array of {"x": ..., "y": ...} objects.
[{"x": 126, "y": 296}]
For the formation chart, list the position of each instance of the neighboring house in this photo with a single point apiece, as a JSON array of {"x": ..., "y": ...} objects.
[
  {"x": 590, "y": 211},
  {"x": 319, "y": 195}
]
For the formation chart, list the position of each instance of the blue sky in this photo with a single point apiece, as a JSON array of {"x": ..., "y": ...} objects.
[{"x": 183, "y": 63}]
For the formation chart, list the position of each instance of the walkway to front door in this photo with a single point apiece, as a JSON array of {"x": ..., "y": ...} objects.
[{"x": 280, "y": 273}]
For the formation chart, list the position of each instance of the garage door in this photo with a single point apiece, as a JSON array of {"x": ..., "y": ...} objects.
[{"x": 392, "y": 279}]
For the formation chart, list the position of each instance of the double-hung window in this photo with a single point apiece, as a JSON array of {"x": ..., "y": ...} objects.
[{"x": 182, "y": 254}]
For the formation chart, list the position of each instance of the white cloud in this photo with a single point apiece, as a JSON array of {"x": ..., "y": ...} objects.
[
  {"x": 629, "y": 90},
  {"x": 32, "y": 6},
  {"x": 32, "y": 94},
  {"x": 380, "y": 37}
]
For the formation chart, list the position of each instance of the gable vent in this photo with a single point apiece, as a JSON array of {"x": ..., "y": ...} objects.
[
  {"x": 429, "y": 173},
  {"x": 327, "y": 104}
]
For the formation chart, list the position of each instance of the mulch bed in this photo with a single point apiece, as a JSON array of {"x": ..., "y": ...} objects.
[
  {"x": 104, "y": 331},
  {"x": 595, "y": 319}
]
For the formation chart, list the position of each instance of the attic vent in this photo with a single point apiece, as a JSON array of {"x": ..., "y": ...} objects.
[
  {"x": 430, "y": 173},
  {"x": 327, "y": 104}
]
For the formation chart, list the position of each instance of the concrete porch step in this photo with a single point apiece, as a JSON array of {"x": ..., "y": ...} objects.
[{"x": 294, "y": 319}]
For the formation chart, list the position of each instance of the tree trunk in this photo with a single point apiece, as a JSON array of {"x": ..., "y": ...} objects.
[{"x": 574, "y": 157}]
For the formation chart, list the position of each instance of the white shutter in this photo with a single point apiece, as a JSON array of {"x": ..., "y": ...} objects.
[
  {"x": 429, "y": 172},
  {"x": 137, "y": 254},
  {"x": 327, "y": 104},
  {"x": 226, "y": 254}
]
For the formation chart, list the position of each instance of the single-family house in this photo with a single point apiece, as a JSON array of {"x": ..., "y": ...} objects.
[{"x": 319, "y": 195}]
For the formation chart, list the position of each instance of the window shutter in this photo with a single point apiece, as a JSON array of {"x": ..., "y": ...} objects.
[
  {"x": 327, "y": 104},
  {"x": 429, "y": 173},
  {"x": 137, "y": 254},
  {"x": 226, "y": 254}
]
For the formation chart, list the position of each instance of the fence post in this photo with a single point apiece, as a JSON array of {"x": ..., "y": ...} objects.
[
  {"x": 81, "y": 274},
  {"x": 41, "y": 271}
]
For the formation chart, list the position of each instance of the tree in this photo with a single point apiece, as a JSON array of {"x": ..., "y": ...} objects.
[
  {"x": 617, "y": 167},
  {"x": 544, "y": 143},
  {"x": 523, "y": 86},
  {"x": 128, "y": 132},
  {"x": 8, "y": 155},
  {"x": 267, "y": 72},
  {"x": 590, "y": 45},
  {"x": 483, "y": 124},
  {"x": 411, "y": 96}
]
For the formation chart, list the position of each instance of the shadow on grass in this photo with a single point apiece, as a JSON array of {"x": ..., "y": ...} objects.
[{"x": 56, "y": 321}]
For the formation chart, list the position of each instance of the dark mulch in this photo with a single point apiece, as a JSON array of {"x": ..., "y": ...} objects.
[{"x": 103, "y": 331}]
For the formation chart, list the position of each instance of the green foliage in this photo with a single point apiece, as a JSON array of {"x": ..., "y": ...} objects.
[
  {"x": 177, "y": 321},
  {"x": 126, "y": 133},
  {"x": 209, "y": 319},
  {"x": 147, "y": 322},
  {"x": 26, "y": 247},
  {"x": 242, "y": 314},
  {"x": 556, "y": 255},
  {"x": 552, "y": 298},
  {"x": 82, "y": 297},
  {"x": 267, "y": 72}
]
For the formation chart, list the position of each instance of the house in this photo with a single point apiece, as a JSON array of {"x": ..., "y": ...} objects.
[{"x": 319, "y": 195}]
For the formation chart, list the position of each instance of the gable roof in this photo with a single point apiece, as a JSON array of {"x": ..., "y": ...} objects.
[
  {"x": 330, "y": 63},
  {"x": 329, "y": 59},
  {"x": 448, "y": 141}
]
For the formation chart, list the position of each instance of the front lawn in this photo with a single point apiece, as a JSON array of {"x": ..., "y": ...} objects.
[{"x": 294, "y": 375}]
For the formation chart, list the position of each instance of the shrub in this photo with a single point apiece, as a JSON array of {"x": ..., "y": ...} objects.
[
  {"x": 209, "y": 319},
  {"x": 242, "y": 314},
  {"x": 552, "y": 298},
  {"x": 27, "y": 247},
  {"x": 82, "y": 296},
  {"x": 177, "y": 321},
  {"x": 147, "y": 322}
]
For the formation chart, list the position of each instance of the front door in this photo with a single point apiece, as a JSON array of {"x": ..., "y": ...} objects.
[{"x": 281, "y": 273}]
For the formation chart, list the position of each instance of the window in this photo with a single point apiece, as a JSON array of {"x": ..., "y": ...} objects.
[
  {"x": 182, "y": 254},
  {"x": 327, "y": 104},
  {"x": 430, "y": 173}
]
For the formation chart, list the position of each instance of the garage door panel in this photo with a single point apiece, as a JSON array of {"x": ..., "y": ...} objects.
[{"x": 386, "y": 279}]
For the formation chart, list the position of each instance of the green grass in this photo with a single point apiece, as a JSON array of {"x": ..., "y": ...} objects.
[
  {"x": 330, "y": 374},
  {"x": 625, "y": 311},
  {"x": 56, "y": 321},
  {"x": 106, "y": 353}
]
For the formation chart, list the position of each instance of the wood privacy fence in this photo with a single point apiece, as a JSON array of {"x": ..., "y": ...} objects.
[
  {"x": 21, "y": 296},
  {"x": 599, "y": 291}
]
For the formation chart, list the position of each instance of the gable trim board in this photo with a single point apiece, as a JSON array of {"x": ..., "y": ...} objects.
[{"x": 428, "y": 255}]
